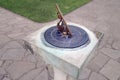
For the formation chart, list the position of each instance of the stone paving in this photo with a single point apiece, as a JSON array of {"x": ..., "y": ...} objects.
[{"x": 16, "y": 63}]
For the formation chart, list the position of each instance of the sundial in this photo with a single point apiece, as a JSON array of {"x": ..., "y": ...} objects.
[
  {"x": 67, "y": 47},
  {"x": 66, "y": 36}
]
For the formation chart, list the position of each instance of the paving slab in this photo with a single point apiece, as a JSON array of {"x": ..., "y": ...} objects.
[
  {"x": 111, "y": 70},
  {"x": 118, "y": 60},
  {"x": 13, "y": 45},
  {"x": 18, "y": 69},
  {"x": 32, "y": 74},
  {"x": 98, "y": 62},
  {"x": 116, "y": 45},
  {"x": 3, "y": 40},
  {"x": 30, "y": 58},
  {"x": 96, "y": 76},
  {"x": 7, "y": 63},
  {"x": 1, "y": 62},
  {"x": 1, "y": 76},
  {"x": 115, "y": 54},
  {"x": 6, "y": 78},
  {"x": 13, "y": 54},
  {"x": 2, "y": 71},
  {"x": 42, "y": 76}
]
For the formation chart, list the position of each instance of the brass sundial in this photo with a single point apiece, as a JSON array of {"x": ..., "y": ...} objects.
[
  {"x": 62, "y": 25},
  {"x": 64, "y": 35}
]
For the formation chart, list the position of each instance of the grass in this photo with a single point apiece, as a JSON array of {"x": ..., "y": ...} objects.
[{"x": 41, "y": 10}]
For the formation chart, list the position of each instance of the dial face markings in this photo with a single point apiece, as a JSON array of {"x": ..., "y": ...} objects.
[{"x": 78, "y": 39}]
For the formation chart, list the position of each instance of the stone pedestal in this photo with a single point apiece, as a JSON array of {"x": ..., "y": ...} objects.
[
  {"x": 60, "y": 75},
  {"x": 66, "y": 62}
]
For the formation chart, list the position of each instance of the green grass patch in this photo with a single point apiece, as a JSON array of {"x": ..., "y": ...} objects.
[{"x": 41, "y": 10}]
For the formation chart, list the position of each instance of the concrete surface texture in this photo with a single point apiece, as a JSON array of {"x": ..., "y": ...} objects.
[{"x": 16, "y": 63}]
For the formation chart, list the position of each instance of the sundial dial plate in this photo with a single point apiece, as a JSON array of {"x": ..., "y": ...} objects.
[{"x": 79, "y": 37}]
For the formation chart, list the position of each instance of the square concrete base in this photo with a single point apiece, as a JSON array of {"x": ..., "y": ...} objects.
[{"x": 65, "y": 61}]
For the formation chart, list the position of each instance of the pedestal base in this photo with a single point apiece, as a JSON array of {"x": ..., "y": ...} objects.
[
  {"x": 70, "y": 61},
  {"x": 60, "y": 75}
]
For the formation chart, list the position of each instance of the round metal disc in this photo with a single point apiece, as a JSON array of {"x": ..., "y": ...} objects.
[{"x": 79, "y": 37}]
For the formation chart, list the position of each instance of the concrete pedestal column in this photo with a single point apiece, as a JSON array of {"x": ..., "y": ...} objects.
[{"x": 60, "y": 75}]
